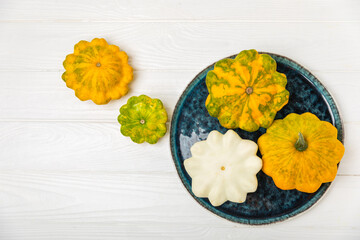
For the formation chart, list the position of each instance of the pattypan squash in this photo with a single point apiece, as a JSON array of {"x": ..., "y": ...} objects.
[
  {"x": 246, "y": 92},
  {"x": 97, "y": 71},
  {"x": 300, "y": 152},
  {"x": 143, "y": 119},
  {"x": 223, "y": 167}
]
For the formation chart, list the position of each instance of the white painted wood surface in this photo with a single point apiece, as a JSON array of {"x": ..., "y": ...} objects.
[{"x": 67, "y": 173}]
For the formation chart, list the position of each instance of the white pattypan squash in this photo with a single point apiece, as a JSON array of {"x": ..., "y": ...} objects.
[{"x": 223, "y": 167}]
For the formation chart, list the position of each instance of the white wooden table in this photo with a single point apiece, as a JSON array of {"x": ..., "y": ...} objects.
[{"x": 66, "y": 172}]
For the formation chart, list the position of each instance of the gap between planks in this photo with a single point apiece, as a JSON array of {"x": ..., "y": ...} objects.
[{"x": 173, "y": 21}]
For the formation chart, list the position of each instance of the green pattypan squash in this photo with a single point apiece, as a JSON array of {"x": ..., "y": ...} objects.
[{"x": 143, "y": 119}]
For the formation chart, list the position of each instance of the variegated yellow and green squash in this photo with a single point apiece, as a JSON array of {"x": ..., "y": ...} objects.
[
  {"x": 143, "y": 119},
  {"x": 246, "y": 92},
  {"x": 300, "y": 152},
  {"x": 97, "y": 71}
]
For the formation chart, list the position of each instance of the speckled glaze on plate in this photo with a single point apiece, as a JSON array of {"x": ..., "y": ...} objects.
[{"x": 192, "y": 123}]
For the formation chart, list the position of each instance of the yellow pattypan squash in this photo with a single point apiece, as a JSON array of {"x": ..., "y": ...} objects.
[
  {"x": 246, "y": 92},
  {"x": 97, "y": 71},
  {"x": 300, "y": 152}
]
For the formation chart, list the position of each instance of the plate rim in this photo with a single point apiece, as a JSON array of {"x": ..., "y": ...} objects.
[{"x": 329, "y": 99}]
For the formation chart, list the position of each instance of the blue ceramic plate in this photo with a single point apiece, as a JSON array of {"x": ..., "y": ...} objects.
[{"x": 192, "y": 123}]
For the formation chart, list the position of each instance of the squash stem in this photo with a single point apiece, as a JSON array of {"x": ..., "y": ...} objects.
[
  {"x": 249, "y": 90},
  {"x": 301, "y": 144}
]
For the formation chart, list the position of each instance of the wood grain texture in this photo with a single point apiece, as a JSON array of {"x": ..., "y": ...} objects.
[
  {"x": 44, "y": 96},
  {"x": 79, "y": 147},
  {"x": 163, "y": 10},
  {"x": 182, "y": 45},
  {"x": 76, "y": 146},
  {"x": 72, "y": 205}
]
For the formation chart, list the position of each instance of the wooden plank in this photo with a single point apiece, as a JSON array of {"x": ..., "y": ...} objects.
[
  {"x": 342, "y": 87},
  {"x": 79, "y": 147},
  {"x": 44, "y": 96},
  {"x": 75, "y": 146},
  {"x": 246, "y": 10},
  {"x": 182, "y": 46},
  {"x": 93, "y": 205},
  {"x": 32, "y": 96}
]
